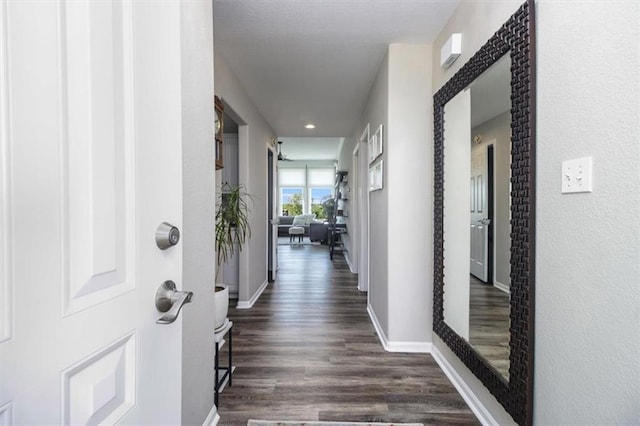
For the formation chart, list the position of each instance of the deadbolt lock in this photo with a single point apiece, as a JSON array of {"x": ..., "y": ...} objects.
[{"x": 167, "y": 236}]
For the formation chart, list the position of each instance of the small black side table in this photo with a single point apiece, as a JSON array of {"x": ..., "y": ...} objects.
[{"x": 227, "y": 371}]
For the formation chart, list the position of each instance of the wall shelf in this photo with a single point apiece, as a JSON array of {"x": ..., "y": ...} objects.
[{"x": 336, "y": 230}]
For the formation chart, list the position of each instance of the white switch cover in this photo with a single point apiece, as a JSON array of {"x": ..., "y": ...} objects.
[{"x": 577, "y": 175}]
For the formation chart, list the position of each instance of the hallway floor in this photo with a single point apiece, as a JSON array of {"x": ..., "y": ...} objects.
[{"x": 307, "y": 351}]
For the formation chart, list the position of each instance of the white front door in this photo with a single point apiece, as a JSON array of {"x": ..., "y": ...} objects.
[
  {"x": 479, "y": 218},
  {"x": 91, "y": 165}
]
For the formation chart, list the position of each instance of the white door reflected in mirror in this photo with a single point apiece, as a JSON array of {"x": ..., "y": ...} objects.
[{"x": 477, "y": 201}]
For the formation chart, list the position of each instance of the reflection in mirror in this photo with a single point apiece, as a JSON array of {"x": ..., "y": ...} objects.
[
  {"x": 456, "y": 315},
  {"x": 476, "y": 225}
]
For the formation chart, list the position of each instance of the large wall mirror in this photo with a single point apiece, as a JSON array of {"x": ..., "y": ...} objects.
[{"x": 484, "y": 123}]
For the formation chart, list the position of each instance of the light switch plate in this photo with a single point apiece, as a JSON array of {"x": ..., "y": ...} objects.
[{"x": 577, "y": 175}]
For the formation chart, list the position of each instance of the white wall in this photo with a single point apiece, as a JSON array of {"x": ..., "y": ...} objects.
[
  {"x": 254, "y": 138},
  {"x": 457, "y": 204},
  {"x": 409, "y": 185},
  {"x": 587, "y": 359},
  {"x": 198, "y": 209}
]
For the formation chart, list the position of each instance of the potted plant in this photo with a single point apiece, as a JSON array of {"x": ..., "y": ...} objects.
[
  {"x": 232, "y": 231},
  {"x": 329, "y": 205}
]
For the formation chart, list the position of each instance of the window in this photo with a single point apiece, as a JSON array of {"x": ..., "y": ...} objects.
[
  {"x": 291, "y": 201},
  {"x": 303, "y": 190},
  {"x": 292, "y": 183},
  {"x": 320, "y": 183},
  {"x": 317, "y": 196}
]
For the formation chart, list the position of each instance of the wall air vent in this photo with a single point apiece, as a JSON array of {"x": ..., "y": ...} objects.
[{"x": 451, "y": 50}]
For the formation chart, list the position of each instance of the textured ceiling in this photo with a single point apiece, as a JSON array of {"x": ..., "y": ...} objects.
[{"x": 314, "y": 61}]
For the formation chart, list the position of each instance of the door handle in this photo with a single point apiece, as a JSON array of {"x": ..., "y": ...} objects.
[{"x": 170, "y": 301}]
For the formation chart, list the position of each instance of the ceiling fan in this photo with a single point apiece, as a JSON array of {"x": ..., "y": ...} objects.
[{"x": 281, "y": 156}]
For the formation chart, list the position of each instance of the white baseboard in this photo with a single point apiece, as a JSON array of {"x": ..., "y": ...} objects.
[
  {"x": 212, "y": 418},
  {"x": 500, "y": 286},
  {"x": 348, "y": 260},
  {"x": 377, "y": 326},
  {"x": 363, "y": 287},
  {"x": 483, "y": 415},
  {"x": 409, "y": 347},
  {"x": 394, "y": 346},
  {"x": 254, "y": 298}
]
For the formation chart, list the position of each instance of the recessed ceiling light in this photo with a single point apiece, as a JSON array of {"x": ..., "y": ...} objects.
[{"x": 310, "y": 126}]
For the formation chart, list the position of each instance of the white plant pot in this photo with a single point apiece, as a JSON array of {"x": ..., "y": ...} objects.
[{"x": 221, "y": 302}]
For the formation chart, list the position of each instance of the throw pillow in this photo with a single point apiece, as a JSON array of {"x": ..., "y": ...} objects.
[
  {"x": 309, "y": 218},
  {"x": 299, "y": 220},
  {"x": 303, "y": 219}
]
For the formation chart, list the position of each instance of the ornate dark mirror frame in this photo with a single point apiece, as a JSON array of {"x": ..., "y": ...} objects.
[{"x": 516, "y": 37}]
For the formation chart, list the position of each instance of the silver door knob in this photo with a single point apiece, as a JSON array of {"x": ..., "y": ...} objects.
[
  {"x": 170, "y": 301},
  {"x": 167, "y": 236}
]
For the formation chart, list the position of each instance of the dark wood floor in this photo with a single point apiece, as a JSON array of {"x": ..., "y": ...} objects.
[
  {"x": 307, "y": 351},
  {"x": 489, "y": 324}
]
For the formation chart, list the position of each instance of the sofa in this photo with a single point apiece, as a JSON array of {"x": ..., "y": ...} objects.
[
  {"x": 319, "y": 231},
  {"x": 286, "y": 222}
]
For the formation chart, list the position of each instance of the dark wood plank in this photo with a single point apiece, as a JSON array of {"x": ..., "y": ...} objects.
[
  {"x": 489, "y": 324},
  {"x": 307, "y": 351}
]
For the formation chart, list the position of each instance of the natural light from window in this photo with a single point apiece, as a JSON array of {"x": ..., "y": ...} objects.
[
  {"x": 292, "y": 201},
  {"x": 303, "y": 190}
]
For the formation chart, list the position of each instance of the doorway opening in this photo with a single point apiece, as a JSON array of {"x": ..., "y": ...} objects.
[
  {"x": 233, "y": 272},
  {"x": 490, "y": 214},
  {"x": 271, "y": 246}
]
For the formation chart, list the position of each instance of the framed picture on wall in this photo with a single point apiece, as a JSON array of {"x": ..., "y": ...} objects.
[
  {"x": 379, "y": 141},
  {"x": 375, "y": 176},
  {"x": 371, "y": 148},
  {"x": 375, "y": 144}
]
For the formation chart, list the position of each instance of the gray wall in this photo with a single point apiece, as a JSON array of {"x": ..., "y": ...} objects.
[
  {"x": 400, "y": 99},
  {"x": 499, "y": 128},
  {"x": 255, "y": 135},
  {"x": 376, "y": 114},
  {"x": 588, "y": 250},
  {"x": 198, "y": 210},
  {"x": 477, "y": 21},
  {"x": 357, "y": 221},
  {"x": 587, "y": 360}
]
